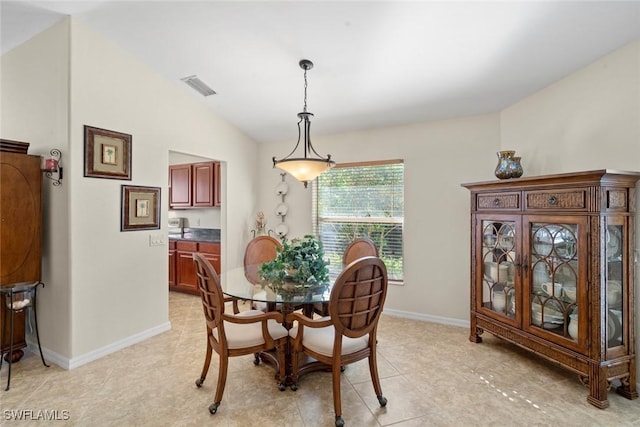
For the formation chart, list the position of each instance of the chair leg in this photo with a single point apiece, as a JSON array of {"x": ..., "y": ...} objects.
[
  {"x": 205, "y": 367},
  {"x": 222, "y": 380},
  {"x": 375, "y": 378},
  {"x": 337, "y": 403}
]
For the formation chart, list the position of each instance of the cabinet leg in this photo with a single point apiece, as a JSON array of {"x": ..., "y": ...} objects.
[
  {"x": 16, "y": 355},
  {"x": 598, "y": 387},
  {"x": 628, "y": 387},
  {"x": 475, "y": 332}
]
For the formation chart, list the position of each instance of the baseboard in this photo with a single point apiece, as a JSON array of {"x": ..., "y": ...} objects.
[
  {"x": 427, "y": 318},
  {"x": 75, "y": 362}
]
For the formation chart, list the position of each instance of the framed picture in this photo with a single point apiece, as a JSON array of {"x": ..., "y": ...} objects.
[
  {"x": 140, "y": 208},
  {"x": 107, "y": 154}
]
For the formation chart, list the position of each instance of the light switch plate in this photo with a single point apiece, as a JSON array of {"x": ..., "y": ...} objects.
[{"x": 156, "y": 239}]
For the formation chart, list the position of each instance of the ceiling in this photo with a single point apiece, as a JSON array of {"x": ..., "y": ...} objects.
[{"x": 377, "y": 63}]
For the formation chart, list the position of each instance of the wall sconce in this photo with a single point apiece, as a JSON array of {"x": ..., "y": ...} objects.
[{"x": 52, "y": 167}]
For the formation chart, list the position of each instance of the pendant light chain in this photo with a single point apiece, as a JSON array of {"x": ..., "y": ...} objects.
[{"x": 305, "y": 91}]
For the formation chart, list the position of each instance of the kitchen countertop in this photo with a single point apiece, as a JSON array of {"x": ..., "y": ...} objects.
[{"x": 209, "y": 235}]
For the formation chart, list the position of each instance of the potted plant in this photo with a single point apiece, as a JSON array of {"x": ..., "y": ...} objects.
[{"x": 299, "y": 266}]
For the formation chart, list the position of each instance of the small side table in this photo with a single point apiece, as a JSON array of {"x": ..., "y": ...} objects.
[{"x": 16, "y": 297}]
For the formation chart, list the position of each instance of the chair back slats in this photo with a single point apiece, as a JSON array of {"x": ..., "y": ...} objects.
[
  {"x": 259, "y": 250},
  {"x": 358, "y": 296},
  {"x": 359, "y": 248},
  {"x": 210, "y": 291}
]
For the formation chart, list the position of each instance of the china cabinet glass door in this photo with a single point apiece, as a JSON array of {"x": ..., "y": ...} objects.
[
  {"x": 499, "y": 258},
  {"x": 614, "y": 286},
  {"x": 556, "y": 264}
]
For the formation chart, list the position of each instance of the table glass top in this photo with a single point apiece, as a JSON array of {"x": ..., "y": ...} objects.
[{"x": 235, "y": 284}]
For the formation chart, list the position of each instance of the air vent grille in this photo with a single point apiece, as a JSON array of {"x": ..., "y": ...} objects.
[{"x": 200, "y": 86}]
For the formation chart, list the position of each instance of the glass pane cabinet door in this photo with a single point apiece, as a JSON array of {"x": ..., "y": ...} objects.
[
  {"x": 498, "y": 261},
  {"x": 554, "y": 278},
  {"x": 614, "y": 286}
]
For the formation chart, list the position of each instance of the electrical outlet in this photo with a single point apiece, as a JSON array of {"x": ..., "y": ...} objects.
[{"x": 156, "y": 239}]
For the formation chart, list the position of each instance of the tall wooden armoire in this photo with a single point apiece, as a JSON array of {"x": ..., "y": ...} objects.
[{"x": 20, "y": 230}]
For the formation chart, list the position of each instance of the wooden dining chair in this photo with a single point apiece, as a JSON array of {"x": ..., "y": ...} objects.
[
  {"x": 248, "y": 332},
  {"x": 259, "y": 250},
  {"x": 349, "y": 333},
  {"x": 357, "y": 248}
]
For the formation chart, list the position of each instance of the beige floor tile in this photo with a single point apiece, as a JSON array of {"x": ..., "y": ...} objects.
[{"x": 431, "y": 374}]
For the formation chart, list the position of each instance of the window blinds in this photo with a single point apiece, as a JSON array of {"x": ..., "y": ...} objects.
[{"x": 361, "y": 200}]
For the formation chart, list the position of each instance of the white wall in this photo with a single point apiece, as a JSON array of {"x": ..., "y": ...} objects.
[
  {"x": 586, "y": 121},
  {"x": 113, "y": 289},
  {"x": 35, "y": 109},
  {"x": 438, "y": 157},
  {"x": 119, "y": 282}
]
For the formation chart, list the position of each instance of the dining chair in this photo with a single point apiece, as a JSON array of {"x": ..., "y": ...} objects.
[
  {"x": 259, "y": 250},
  {"x": 357, "y": 248},
  {"x": 248, "y": 332},
  {"x": 348, "y": 334}
]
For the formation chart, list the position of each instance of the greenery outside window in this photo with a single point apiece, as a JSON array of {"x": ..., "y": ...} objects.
[{"x": 361, "y": 200}]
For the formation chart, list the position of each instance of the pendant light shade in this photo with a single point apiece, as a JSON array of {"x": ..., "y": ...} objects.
[{"x": 312, "y": 164}]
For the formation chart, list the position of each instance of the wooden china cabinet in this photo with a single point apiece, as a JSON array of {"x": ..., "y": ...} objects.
[
  {"x": 552, "y": 264},
  {"x": 20, "y": 233}
]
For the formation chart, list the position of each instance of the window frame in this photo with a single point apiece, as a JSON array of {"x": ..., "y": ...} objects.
[{"x": 362, "y": 220}]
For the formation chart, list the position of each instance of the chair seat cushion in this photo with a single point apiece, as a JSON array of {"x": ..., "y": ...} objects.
[
  {"x": 320, "y": 340},
  {"x": 250, "y": 334},
  {"x": 260, "y": 305}
]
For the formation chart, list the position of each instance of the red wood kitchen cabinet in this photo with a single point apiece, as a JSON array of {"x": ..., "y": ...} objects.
[
  {"x": 185, "y": 279},
  {"x": 194, "y": 185}
]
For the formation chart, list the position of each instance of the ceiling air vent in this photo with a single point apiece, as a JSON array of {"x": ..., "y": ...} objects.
[{"x": 198, "y": 85}]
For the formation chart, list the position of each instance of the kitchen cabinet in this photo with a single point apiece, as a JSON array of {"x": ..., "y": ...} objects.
[
  {"x": 172, "y": 263},
  {"x": 21, "y": 231},
  {"x": 194, "y": 185},
  {"x": 184, "y": 278},
  {"x": 552, "y": 270}
]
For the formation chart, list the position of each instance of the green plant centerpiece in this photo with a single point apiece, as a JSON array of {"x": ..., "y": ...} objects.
[{"x": 299, "y": 267}]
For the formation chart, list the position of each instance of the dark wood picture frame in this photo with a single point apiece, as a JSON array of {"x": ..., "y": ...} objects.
[
  {"x": 107, "y": 154},
  {"x": 140, "y": 208}
]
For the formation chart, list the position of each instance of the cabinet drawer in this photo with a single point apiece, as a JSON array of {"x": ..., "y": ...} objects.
[
  {"x": 617, "y": 199},
  {"x": 187, "y": 246},
  {"x": 495, "y": 201},
  {"x": 574, "y": 199},
  {"x": 209, "y": 248}
]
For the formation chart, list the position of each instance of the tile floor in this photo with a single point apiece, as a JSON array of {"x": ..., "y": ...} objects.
[{"x": 431, "y": 374}]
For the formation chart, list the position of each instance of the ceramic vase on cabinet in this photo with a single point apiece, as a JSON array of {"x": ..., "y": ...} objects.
[
  {"x": 515, "y": 167},
  {"x": 508, "y": 166}
]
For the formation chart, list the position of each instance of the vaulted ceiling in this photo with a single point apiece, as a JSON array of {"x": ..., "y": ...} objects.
[{"x": 377, "y": 63}]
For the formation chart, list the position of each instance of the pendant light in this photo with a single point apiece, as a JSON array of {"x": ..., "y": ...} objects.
[{"x": 306, "y": 168}]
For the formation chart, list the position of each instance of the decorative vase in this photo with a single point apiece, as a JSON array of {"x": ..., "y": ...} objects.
[
  {"x": 504, "y": 159},
  {"x": 515, "y": 168},
  {"x": 508, "y": 165}
]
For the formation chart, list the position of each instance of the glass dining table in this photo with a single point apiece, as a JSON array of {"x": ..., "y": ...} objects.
[
  {"x": 283, "y": 299},
  {"x": 236, "y": 285}
]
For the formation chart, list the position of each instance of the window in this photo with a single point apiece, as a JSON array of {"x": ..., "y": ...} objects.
[{"x": 361, "y": 200}]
